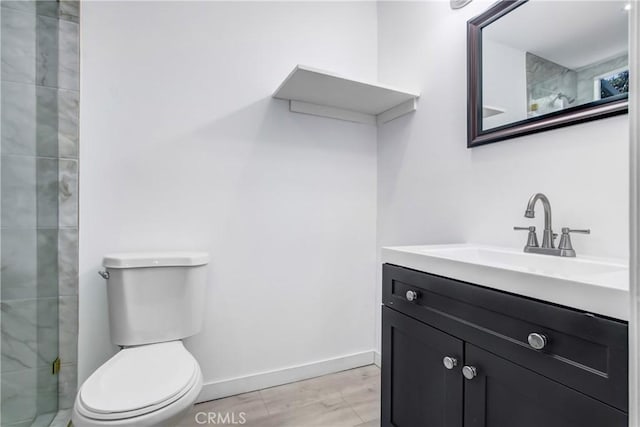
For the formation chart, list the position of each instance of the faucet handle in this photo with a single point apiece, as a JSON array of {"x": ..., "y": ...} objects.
[
  {"x": 567, "y": 230},
  {"x": 532, "y": 238},
  {"x": 565, "y": 240}
]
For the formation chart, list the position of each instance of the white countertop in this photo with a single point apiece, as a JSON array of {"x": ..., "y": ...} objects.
[{"x": 594, "y": 285}]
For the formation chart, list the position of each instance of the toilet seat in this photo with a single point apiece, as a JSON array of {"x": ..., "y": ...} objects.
[{"x": 138, "y": 381}]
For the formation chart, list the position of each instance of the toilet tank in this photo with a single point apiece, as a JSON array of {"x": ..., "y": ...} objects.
[{"x": 155, "y": 297}]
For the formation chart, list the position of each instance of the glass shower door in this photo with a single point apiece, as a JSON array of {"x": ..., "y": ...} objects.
[{"x": 29, "y": 213}]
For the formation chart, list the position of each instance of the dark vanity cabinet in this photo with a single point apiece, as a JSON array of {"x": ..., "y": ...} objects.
[
  {"x": 456, "y": 354},
  {"x": 419, "y": 391}
]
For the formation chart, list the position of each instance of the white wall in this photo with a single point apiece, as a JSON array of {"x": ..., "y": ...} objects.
[
  {"x": 432, "y": 189},
  {"x": 183, "y": 148},
  {"x": 504, "y": 84}
]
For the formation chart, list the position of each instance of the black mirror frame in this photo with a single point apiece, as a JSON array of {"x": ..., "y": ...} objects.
[{"x": 570, "y": 116}]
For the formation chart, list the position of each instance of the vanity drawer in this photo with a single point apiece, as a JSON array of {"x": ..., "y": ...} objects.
[{"x": 583, "y": 351}]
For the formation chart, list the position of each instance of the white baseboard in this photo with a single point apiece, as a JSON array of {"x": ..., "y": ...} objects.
[
  {"x": 377, "y": 359},
  {"x": 233, "y": 386}
]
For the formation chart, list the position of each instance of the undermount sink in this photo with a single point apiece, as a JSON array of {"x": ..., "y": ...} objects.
[{"x": 595, "y": 285}]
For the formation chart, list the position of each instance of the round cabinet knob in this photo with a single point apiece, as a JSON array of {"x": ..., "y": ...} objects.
[
  {"x": 450, "y": 362},
  {"x": 537, "y": 341},
  {"x": 411, "y": 295},
  {"x": 469, "y": 372}
]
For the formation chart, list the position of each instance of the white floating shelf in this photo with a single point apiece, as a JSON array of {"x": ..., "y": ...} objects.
[
  {"x": 488, "y": 111},
  {"x": 321, "y": 93}
]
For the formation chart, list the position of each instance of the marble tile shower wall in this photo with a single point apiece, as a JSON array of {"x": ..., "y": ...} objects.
[
  {"x": 546, "y": 78},
  {"x": 39, "y": 214}
]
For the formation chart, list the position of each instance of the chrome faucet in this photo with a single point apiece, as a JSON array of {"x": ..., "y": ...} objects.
[
  {"x": 547, "y": 237},
  {"x": 565, "y": 247}
]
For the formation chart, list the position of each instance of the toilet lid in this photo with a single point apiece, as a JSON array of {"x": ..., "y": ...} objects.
[{"x": 139, "y": 377}]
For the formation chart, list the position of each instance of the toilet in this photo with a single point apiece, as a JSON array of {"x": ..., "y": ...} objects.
[{"x": 155, "y": 300}]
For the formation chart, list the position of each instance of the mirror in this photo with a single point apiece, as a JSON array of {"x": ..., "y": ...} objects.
[{"x": 537, "y": 65}]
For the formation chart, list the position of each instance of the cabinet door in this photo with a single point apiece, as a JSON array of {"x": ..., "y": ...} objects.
[
  {"x": 504, "y": 394},
  {"x": 417, "y": 389}
]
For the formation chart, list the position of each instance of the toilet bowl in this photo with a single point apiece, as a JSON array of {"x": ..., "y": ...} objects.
[
  {"x": 155, "y": 300},
  {"x": 149, "y": 385}
]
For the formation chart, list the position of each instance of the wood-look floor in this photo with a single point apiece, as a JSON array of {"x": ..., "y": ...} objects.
[{"x": 344, "y": 399}]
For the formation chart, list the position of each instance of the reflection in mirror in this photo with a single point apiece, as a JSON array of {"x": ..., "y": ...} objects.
[{"x": 547, "y": 56}]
